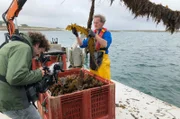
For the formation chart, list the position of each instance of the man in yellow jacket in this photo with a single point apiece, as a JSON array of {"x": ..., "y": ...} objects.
[{"x": 103, "y": 42}]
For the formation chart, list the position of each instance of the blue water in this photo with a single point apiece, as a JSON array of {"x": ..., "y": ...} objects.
[{"x": 147, "y": 61}]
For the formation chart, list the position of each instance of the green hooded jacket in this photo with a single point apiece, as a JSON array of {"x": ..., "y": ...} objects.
[{"x": 15, "y": 65}]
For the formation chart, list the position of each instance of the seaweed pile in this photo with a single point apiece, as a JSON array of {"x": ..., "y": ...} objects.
[{"x": 73, "y": 83}]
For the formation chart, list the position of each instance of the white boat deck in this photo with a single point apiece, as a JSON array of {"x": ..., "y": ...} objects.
[{"x": 132, "y": 104}]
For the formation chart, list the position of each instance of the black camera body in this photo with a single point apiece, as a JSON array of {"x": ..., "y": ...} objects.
[
  {"x": 48, "y": 79},
  {"x": 33, "y": 90}
]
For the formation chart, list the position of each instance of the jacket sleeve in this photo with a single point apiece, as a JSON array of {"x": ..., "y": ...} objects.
[
  {"x": 18, "y": 70},
  {"x": 84, "y": 43},
  {"x": 107, "y": 36}
]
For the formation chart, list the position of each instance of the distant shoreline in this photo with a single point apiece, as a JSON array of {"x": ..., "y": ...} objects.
[
  {"x": 139, "y": 31},
  {"x": 31, "y": 28}
]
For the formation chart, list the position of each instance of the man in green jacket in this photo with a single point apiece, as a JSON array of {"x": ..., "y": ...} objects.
[{"x": 16, "y": 73}]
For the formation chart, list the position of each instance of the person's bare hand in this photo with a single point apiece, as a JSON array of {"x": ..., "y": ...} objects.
[{"x": 42, "y": 71}]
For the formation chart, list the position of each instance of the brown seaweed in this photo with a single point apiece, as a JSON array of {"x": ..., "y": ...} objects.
[
  {"x": 73, "y": 83},
  {"x": 91, "y": 41},
  {"x": 83, "y": 30},
  {"x": 158, "y": 12}
]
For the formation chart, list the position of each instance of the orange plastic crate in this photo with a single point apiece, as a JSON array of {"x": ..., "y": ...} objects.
[{"x": 93, "y": 103}]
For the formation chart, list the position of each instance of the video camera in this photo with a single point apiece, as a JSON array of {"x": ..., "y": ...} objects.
[{"x": 50, "y": 77}]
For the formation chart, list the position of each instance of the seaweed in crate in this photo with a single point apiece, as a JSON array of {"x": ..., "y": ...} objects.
[{"x": 74, "y": 82}]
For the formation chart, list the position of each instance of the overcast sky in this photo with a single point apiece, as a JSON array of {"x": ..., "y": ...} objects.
[{"x": 60, "y": 13}]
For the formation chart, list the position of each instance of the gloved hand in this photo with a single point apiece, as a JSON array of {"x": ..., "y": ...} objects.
[
  {"x": 91, "y": 33},
  {"x": 74, "y": 31}
]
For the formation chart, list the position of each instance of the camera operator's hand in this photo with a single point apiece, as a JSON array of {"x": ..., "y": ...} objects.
[{"x": 42, "y": 71}]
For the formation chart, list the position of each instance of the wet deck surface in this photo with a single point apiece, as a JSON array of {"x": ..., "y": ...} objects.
[{"x": 132, "y": 104}]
